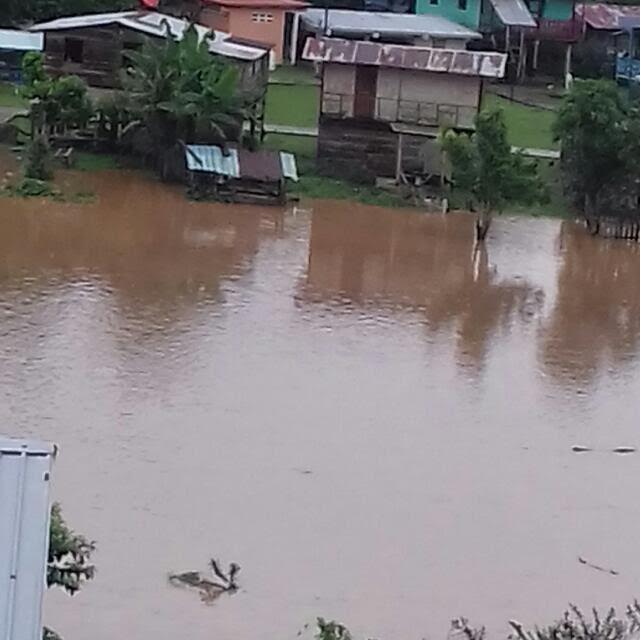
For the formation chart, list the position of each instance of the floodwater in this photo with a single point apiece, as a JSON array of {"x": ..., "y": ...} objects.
[{"x": 373, "y": 421}]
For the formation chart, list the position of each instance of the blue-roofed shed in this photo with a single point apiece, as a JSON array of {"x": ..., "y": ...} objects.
[{"x": 239, "y": 175}]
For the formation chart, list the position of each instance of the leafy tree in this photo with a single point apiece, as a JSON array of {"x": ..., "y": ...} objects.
[
  {"x": 597, "y": 128},
  {"x": 180, "y": 94},
  {"x": 68, "y": 565},
  {"x": 484, "y": 168},
  {"x": 331, "y": 630},
  {"x": 56, "y": 103},
  {"x": 69, "y": 555}
]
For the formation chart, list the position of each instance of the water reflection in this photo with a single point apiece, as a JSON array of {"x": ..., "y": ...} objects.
[
  {"x": 425, "y": 263},
  {"x": 595, "y": 322},
  {"x": 142, "y": 265}
]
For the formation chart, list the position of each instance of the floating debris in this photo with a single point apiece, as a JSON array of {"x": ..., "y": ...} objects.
[
  {"x": 303, "y": 471},
  {"x": 597, "y": 568},
  {"x": 576, "y": 448},
  {"x": 210, "y": 590},
  {"x": 624, "y": 450}
]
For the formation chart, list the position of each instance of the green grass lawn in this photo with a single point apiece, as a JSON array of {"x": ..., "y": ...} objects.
[
  {"x": 9, "y": 97},
  {"x": 293, "y": 105},
  {"x": 527, "y": 126},
  {"x": 298, "y": 75}
]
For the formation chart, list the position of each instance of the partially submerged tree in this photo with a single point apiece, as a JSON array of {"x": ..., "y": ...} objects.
[
  {"x": 69, "y": 563},
  {"x": 69, "y": 555},
  {"x": 487, "y": 172},
  {"x": 574, "y": 625},
  {"x": 181, "y": 93},
  {"x": 597, "y": 128}
]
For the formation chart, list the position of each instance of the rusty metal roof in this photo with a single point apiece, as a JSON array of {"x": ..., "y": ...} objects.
[
  {"x": 607, "y": 16},
  {"x": 458, "y": 61},
  {"x": 264, "y": 165}
]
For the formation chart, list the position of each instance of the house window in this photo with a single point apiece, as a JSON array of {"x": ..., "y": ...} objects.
[
  {"x": 434, "y": 2},
  {"x": 73, "y": 50},
  {"x": 262, "y": 17},
  {"x": 126, "y": 48},
  {"x": 462, "y": 5}
]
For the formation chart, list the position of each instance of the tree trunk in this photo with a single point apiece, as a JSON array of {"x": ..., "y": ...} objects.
[
  {"x": 483, "y": 224},
  {"x": 591, "y": 213}
]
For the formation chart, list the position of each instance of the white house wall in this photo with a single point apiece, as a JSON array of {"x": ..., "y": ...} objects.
[
  {"x": 24, "y": 536},
  {"x": 339, "y": 86},
  {"x": 399, "y": 91}
]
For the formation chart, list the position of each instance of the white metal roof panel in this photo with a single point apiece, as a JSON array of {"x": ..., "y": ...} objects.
[
  {"x": 289, "y": 166},
  {"x": 154, "y": 23},
  {"x": 342, "y": 22},
  {"x": 513, "y": 13},
  {"x": 210, "y": 159},
  {"x": 87, "y": 20},
  {"x": 24, "y": 536},
  {"x": 15, "y": 40}
]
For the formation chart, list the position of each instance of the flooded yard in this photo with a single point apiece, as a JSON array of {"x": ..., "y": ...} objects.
[{"x": 374, "y": 421}]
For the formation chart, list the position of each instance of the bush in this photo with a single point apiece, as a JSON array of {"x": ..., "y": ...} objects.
[{"x": 32, "y": 188}]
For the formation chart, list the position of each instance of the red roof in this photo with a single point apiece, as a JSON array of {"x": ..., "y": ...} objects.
[
  {"x": 606, "y": 16},
  {"x": 261, "y": 4}
]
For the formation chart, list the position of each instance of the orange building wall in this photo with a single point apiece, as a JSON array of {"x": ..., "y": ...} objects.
[{"x": 239, "y": 22}]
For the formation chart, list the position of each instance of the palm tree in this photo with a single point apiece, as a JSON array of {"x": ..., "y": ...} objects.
[{"x": 182, "y": 94}]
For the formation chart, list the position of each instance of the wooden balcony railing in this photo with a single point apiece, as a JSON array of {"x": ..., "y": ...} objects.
[{"x": 400, "y": 110}]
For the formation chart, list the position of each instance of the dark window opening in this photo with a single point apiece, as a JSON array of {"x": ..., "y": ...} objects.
[
  {"x": 433, "y": 1},
  {"x": 462, "y": 5},
  {"x": 126, "y": 48},
  {"x": 73, "y": 50}
]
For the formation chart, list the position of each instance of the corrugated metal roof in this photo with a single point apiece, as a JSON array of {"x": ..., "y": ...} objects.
[
  {"x": 20, "y": 40},
  {"x": 24, "y": 536},
  {"x": 289, "y": 166},
  {"x": 260, "y": 165},
  {"x": 361, "y": 23},
  {"x": 607, "y": 16},
  {"x": 513, "y": 13},
  {"x": 239, "y": 163},
  {"x": 154, "y": 23},
  {"x": 459, "y": 61},
  {"x": 210, "y": 159}
]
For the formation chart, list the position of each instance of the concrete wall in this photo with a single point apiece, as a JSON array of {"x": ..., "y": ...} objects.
[
  {"x": 240, "y": 22},
  {"x": 454, "y": 10}
]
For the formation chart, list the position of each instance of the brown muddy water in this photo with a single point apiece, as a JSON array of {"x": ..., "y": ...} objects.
[{"x": 373, "y": 421}]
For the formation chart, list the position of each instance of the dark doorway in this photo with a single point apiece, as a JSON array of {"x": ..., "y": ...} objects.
[
  {"x": 73, "y": 50},
  {"x": 365, "y": 99}
]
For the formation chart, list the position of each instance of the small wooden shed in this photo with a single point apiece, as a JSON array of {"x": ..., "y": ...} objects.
[
  {"x": 94, "y": 46},
  {"x": 238, "y": 175}
]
